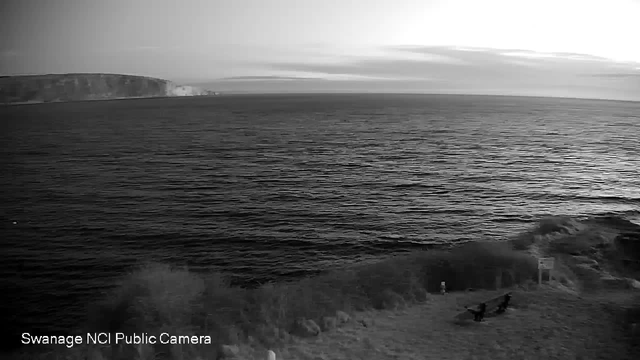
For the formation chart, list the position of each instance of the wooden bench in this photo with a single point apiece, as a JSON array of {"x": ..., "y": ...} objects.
[{"x": 492, "y": 306}]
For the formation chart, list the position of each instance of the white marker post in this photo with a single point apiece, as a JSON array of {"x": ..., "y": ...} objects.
[
  {"x": 443, "y": 288},
  {"x": 545, "y": 264}
]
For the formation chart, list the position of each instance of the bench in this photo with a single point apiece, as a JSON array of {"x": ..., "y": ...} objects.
[{"x": 496, "y": 305}]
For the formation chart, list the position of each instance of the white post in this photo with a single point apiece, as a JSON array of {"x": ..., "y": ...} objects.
[{"x": 271, "y": 355}]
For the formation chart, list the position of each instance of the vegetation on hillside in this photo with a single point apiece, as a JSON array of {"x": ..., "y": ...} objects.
[
  {"x": 589, "y": 251},
  {"x": 158, "y": 298},
  {"x": 605, "y": 246}
]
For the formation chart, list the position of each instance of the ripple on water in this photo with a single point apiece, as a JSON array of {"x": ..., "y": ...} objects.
[{"x": 281, "y": 185}]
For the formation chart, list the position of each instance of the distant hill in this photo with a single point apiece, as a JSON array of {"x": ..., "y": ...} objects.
[{"x": 79, "y": 87}]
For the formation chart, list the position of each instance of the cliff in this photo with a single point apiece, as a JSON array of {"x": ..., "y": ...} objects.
[{"x": 78, "y": 87}]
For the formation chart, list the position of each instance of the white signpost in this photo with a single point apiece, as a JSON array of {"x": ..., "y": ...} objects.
[{"x": 545, "y": 264}]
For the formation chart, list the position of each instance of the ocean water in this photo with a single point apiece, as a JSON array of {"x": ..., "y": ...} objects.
[{"x": 279, "y": 186}]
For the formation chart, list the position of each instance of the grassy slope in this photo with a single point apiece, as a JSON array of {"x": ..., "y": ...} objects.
[
  {"x": 408, "y": 322},
  {"x": 546, "y": 324}
]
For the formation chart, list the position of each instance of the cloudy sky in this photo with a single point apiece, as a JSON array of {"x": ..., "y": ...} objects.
[{"x": 574, "y": 48}]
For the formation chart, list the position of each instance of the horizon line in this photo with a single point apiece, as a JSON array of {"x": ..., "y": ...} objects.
[
  {"x": 342, "y": 92},
  {"x": 321, "y": 92}
]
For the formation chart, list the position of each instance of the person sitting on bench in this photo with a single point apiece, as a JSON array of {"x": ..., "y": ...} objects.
[
  {"x": 478, "y": 315},
  {"x": 502, "y": 307}
]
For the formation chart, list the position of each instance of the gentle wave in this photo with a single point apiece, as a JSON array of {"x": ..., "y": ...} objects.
[{"x": 268, "y": 187}]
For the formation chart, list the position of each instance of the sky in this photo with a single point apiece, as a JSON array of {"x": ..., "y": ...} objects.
[{"x": 569, "y": 48}]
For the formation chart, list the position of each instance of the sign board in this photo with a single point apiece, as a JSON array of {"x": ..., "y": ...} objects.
[{"x": 545, "y": 263}]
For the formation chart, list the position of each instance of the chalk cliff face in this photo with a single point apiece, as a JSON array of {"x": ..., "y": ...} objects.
[
  {"x": 78, "y": 87},
  {"x": 185, "y": 90}
]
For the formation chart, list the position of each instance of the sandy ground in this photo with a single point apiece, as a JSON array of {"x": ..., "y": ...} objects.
[{"x": 546, "y": 323}]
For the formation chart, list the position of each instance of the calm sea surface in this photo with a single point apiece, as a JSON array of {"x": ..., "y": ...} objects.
[{"x": 275, "y": 186}]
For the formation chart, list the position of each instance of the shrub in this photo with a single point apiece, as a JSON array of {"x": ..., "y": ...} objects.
[
  {"x": 523, "y": 241},
  {"x": 158, "y": 297}
]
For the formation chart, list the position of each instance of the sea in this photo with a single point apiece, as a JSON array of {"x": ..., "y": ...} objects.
[{"x": 266, "y": 187}]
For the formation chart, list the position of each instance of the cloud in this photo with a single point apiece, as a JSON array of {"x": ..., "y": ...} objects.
[
  {"x": 432, "y": 63},
  {"x": 477, "y": 65},
  {"x": 134, "y": 49},
  {"x": 554, "y": 55},
  {"x": 441, "y": 69},
  {"x": 9, "y": 53},
  {"x": 431, "y": 54},
  {"x": 616, "y": 75},
  {"x": 146, "y": 48},
  {"x": 267, "y": 78},
  {"x": 480, "y": 55},
  {"x": 371, "y": 67},
  {"x": 318, "y": 77}
]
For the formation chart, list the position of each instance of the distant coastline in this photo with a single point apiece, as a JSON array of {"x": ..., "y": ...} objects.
[{"x": 34, "y": 89}]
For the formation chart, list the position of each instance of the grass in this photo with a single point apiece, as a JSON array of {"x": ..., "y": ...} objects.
[
  {"x": 159, "y": 298},
  {"x": 544, "y": 323}
]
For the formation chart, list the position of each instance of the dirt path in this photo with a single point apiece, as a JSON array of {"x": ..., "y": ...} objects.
[{"x": 544, "y": 324}]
